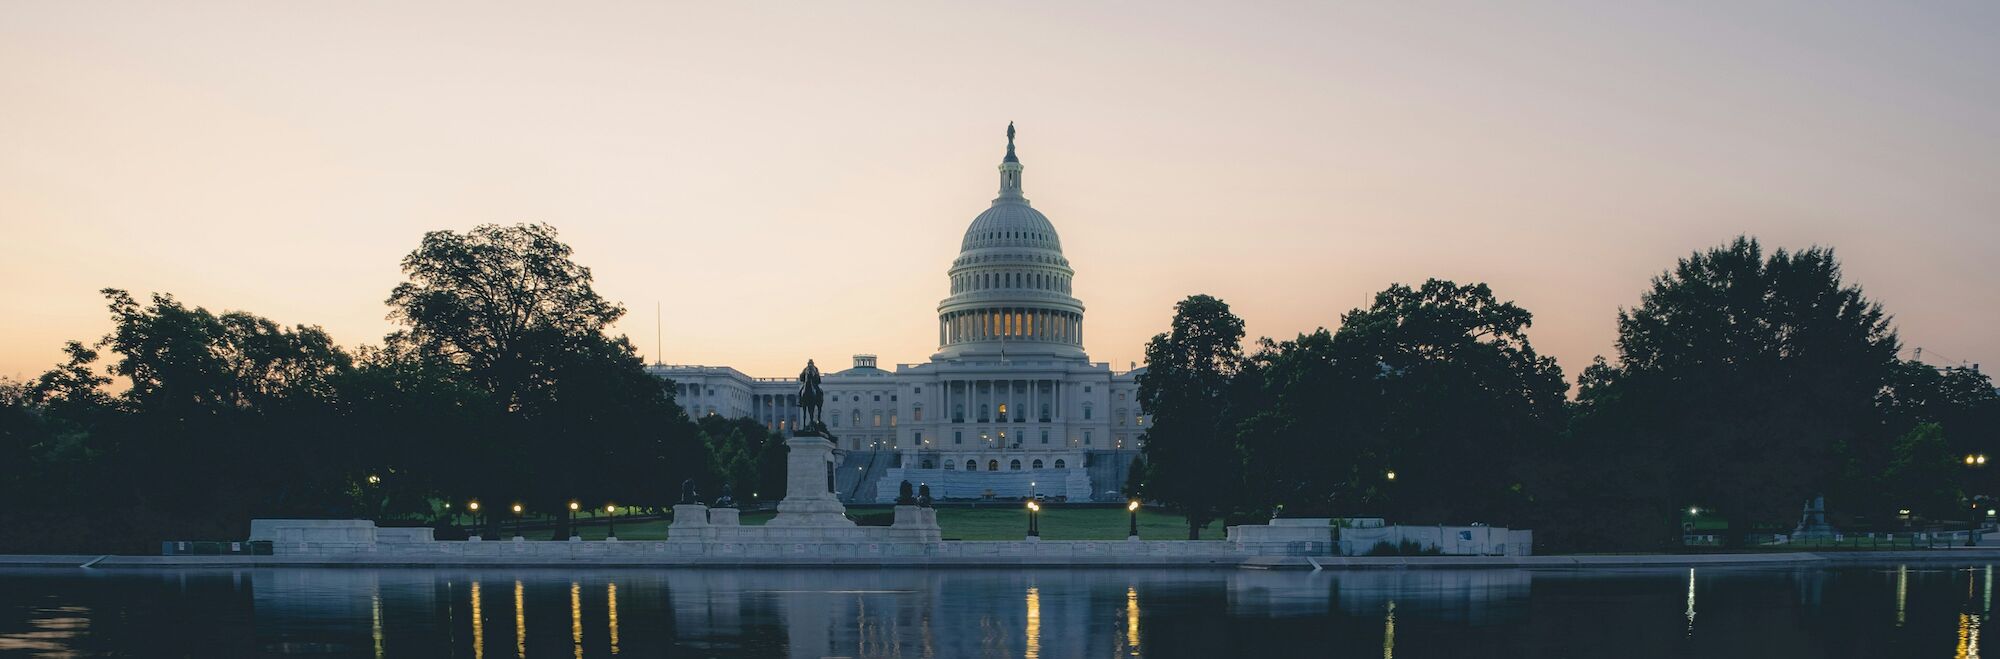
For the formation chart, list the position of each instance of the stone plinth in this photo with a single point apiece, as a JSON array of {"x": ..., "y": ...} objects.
[
  {"x": 690, "y": 523},
  {"x": 315, "y": 536},
  {"x": 916, "y": 524},
  {"x": 809, "y": 497},
  {"x": 724, "y": 517},
  {"x": 1286, "y": 535}
]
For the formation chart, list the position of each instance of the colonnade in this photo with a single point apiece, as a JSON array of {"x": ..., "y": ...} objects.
[
  {"x": 1031, "y": 403},
  {"x": 1011, "y": 323},
  {"x": 777, "y": 411}
]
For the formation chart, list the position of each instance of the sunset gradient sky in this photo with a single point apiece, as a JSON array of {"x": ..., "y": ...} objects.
[{"x": 791, "y": 180}]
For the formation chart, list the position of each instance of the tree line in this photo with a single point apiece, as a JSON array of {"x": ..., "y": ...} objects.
[
  {"x": 500, "y": 386},
  {"x": 1745, "y": 383}
]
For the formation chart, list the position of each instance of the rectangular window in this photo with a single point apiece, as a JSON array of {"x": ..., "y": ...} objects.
[
  {"x": 917, "y": 437},
  {"x": 920, "y": 390},
  {"x": 878, "y": 398},
  {"x": 1045, "y": 437},
  {"x": 878, "y": 419},
  {"x": 1086, "y": 438},
  {"x": 958, "y": 437}
]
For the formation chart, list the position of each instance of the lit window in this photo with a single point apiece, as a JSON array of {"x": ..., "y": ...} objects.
[
  {"x": 917, "y": 413},
  {"x": 994, "y": 465},
  {"x": 878, "y": 419},
  {"x": 892, "y": 419}
]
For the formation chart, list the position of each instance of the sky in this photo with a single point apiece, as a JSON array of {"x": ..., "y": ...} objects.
[{"x": 791, "y": 180}]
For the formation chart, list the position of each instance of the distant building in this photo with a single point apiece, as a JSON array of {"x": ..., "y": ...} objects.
[{"x": 1008, "y": 406}]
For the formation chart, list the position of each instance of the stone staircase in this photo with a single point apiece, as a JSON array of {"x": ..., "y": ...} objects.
[
  {"x": 1107, "y": 473},
  {"x": 858, "y": 477}
]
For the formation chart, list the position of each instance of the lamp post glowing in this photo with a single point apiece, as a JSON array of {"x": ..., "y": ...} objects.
[
  {"x": 1034, "y": 529},
  {"x": 611, "y": 521},
  {"x": 473, "y": 507},
  {"x": 517, "y": 520},
  {"x": 1133, "y": 508}
]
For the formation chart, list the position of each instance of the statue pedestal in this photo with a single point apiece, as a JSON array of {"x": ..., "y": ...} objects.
[
  {"x": 809, "y": 498},
  {"x": 690, "y": 523}
]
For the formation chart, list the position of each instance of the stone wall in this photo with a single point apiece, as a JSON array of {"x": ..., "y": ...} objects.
[{"x": 1447, "y": 540}]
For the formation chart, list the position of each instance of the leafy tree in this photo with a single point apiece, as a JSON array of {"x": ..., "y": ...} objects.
[
  {"x": 1437, "y": 385},
  {"x": 574, "y": 414},
  {"x": 1924, "y": 474},
  {"x": 1190, "y": 450},
  {"x": 1744, "y": 375},
  {"x": 740, "y": 447}
]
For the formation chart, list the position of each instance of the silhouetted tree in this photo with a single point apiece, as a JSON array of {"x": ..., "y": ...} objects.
[
  {"x": 1745, "y": 375},
  {"x": 1190, "y": 449}
]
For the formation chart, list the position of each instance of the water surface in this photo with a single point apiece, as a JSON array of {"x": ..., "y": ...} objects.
[{"x": 1880, "y": 611}]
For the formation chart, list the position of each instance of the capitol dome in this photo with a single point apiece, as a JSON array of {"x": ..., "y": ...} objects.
[{"x": 1010, "y": 285}]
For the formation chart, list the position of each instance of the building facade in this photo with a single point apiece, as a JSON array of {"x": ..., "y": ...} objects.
[{"x": 1009, "y": 406}]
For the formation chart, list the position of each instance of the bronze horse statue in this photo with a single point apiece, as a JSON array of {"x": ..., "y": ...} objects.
[{"x": 812, "y": 399}]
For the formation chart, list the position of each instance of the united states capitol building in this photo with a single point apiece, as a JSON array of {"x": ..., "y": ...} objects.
[{"x": 1010, "y": 405}]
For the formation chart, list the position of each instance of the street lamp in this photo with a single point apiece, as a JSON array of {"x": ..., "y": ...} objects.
[
  {"x": 1133, "y": 508},
  {"x": 1391, "y": 475},
  {"x": 517, "y": 520},
  {"x": 611, "y": 521},
  {"x": 1034, "y": 530},
  {"x": 473, "y": 506}
]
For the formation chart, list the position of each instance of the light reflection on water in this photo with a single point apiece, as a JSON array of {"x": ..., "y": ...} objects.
[{"x": 1414, "y": 614}]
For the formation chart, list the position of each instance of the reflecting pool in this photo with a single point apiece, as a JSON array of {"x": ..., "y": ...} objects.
[{"x": 1918, "y": 610}]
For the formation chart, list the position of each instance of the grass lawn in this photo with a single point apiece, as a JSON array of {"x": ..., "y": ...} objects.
[{"x": 994, "y": 523}]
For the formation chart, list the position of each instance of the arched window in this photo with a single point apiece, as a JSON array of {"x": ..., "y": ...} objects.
[
  {"x": 1037, "y": 464},
  {"x": 994, "y": 465},
  {"x": 958, "y": 413},
  {"x": 1086, "y": 413},
  {"x": 1003, "y": 412},
  {"x": 836, "y": 419},
  {"x": 971, "y": 465},
  {"x": 1060, "y": 465},
  {"x": 878, "y": 418},
  {"x": 857, "y": 418},
  {"x": 917, "y": 413},
  {"x": 1014, "y": 465},
  {"x": 982, "y": 413},
  {"x": 949, "y": 465},
  {"x": 927, "y": 464}
]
